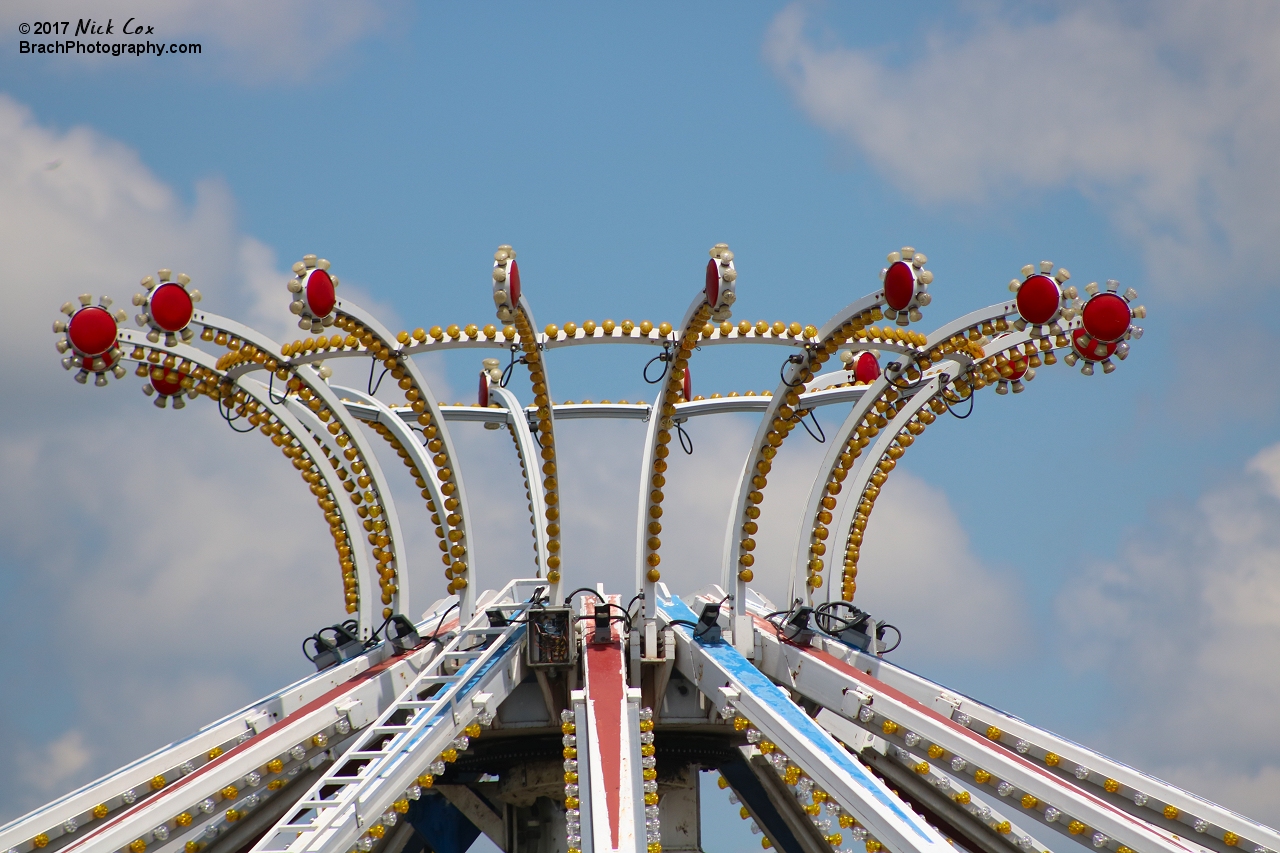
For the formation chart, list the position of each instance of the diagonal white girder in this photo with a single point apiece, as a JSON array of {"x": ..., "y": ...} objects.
[
  {"x": 712, "y": 666},
  {"x": 340, "y": 807}
]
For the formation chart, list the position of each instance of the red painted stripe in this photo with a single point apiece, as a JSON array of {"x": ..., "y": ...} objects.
[
  {"x": 604, "y": 667},
  {"x": 966, "y": 732},
  {"x": 306, "y": 710}
]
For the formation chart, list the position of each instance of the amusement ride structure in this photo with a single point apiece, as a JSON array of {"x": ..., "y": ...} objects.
[{"x": 577, "y": 721}]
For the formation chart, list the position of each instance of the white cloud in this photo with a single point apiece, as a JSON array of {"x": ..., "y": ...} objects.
[
  {"x": 918, "y": 571},
  {"x": 285, "y": 40},
  {"x": 168, "y": 567},
  {"x": 60, "y": 760},
  {"x": 1167, "y": 114},
  {"x": 1186, "y": 624}
]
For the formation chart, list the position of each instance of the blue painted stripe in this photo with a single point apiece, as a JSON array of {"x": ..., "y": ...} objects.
[
  {"x": 473, "y": 679},
  {"x": 752, "y": 681}
]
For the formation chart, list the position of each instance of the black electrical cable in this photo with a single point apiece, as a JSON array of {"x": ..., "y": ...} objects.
[
  {"x": 271, "y": 395},
  {"x": 686, "y": 443},
  {"x": 568, "y": 599},
  {"x": 821, "y": 437},
  {"x": 895, "y": 630},
  {"x": 665, "y": 358},
  {"x": 225, "y": 412},
  {"x": 893, "y": 365},
  {"x": 439, "y": 625},
  {"x": 791, "y": 359},
  {"x": 972, "y": 393},
  {"x": 825, "y": 615},
  {"x": 622, "y": 616},
  {"x": 373, "y": 388},
  {"x": 506, "y": 371},
  {"x": 637, "y": 597}
]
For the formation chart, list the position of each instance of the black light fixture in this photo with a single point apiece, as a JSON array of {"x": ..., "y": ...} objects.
[
  {"x": 402, "y": 634},
  {"x": 602, "y": 624},
  {"x": 797, "y": 628},
  {"x": 708, "y": 630},
  {"x": 333, "y": 645}
]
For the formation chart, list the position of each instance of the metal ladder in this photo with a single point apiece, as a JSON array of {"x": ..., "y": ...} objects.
[{"x": 359, "y": 799}]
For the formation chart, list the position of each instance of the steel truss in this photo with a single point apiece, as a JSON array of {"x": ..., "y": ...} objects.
[{"x": 579, "y": 723}]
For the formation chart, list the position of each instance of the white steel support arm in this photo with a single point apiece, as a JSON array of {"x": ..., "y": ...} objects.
[
  {"x": 366, "y": 576},
  {"x": 530, "y": 464},
  {"x": 737, "y": 557},
  {"x": 414, "y": 738},
  {"x": 922, "y": 392},
  {"x": 732, "y": 683},
  {"x": 376, "y": 494},
  {"x": 911, "y": 727},
  {"x": 716, "y": 297},
  {"x": 445, "y": 465},
  {"x": 374, "y": 471}
]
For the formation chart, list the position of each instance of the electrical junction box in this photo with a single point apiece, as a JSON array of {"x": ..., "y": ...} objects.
[{"x": 551, "y": 641}]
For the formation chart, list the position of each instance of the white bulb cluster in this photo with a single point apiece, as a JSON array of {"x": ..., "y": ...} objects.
[
  {"x": 173, "y": 312},
  {"x": 908, "y": 310},
  {"x": 506, "y": 284},
  {"x": 652, "y": 821},
  {"x": 572, "y": 812},
  {"x": 721, "y": 278},
  {"x": 314, "y": 308}
]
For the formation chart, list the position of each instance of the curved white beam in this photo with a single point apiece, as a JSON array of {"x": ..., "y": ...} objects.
[
  {"x": 451, "y": 485},
  {"x": 736, "y": 557},
  {"x": 381, "y": 494},
  {"x": 527, "y": 449},
  {"x": 721, "y": 276},
  {"x": 837, "y": 447},
  {"x": 366, "y": 577}
]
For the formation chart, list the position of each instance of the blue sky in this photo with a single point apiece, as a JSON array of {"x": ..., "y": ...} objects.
[{"x": 1097, "y": 554}]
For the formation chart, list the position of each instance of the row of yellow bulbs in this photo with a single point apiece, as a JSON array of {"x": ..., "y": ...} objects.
[
  {"x": 1111, "y": 786},
  {"x": 672, "y": 393},
  {"x": 911, "y": 741},
  {"x": 451, "y": 533},
  {"x": 546, "y": 439},
  {"x": 453, "y": 544},
  {"x": 207, "y": 382},
  {"x": 626, "y": 328},
  {"x": 792, "y": 775},
  {"x": 274, "y": 767},
  {"x": 786, "y": 417},
  {"x": 887, "y": 462},
  {"x": 879, "y": 413}
]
